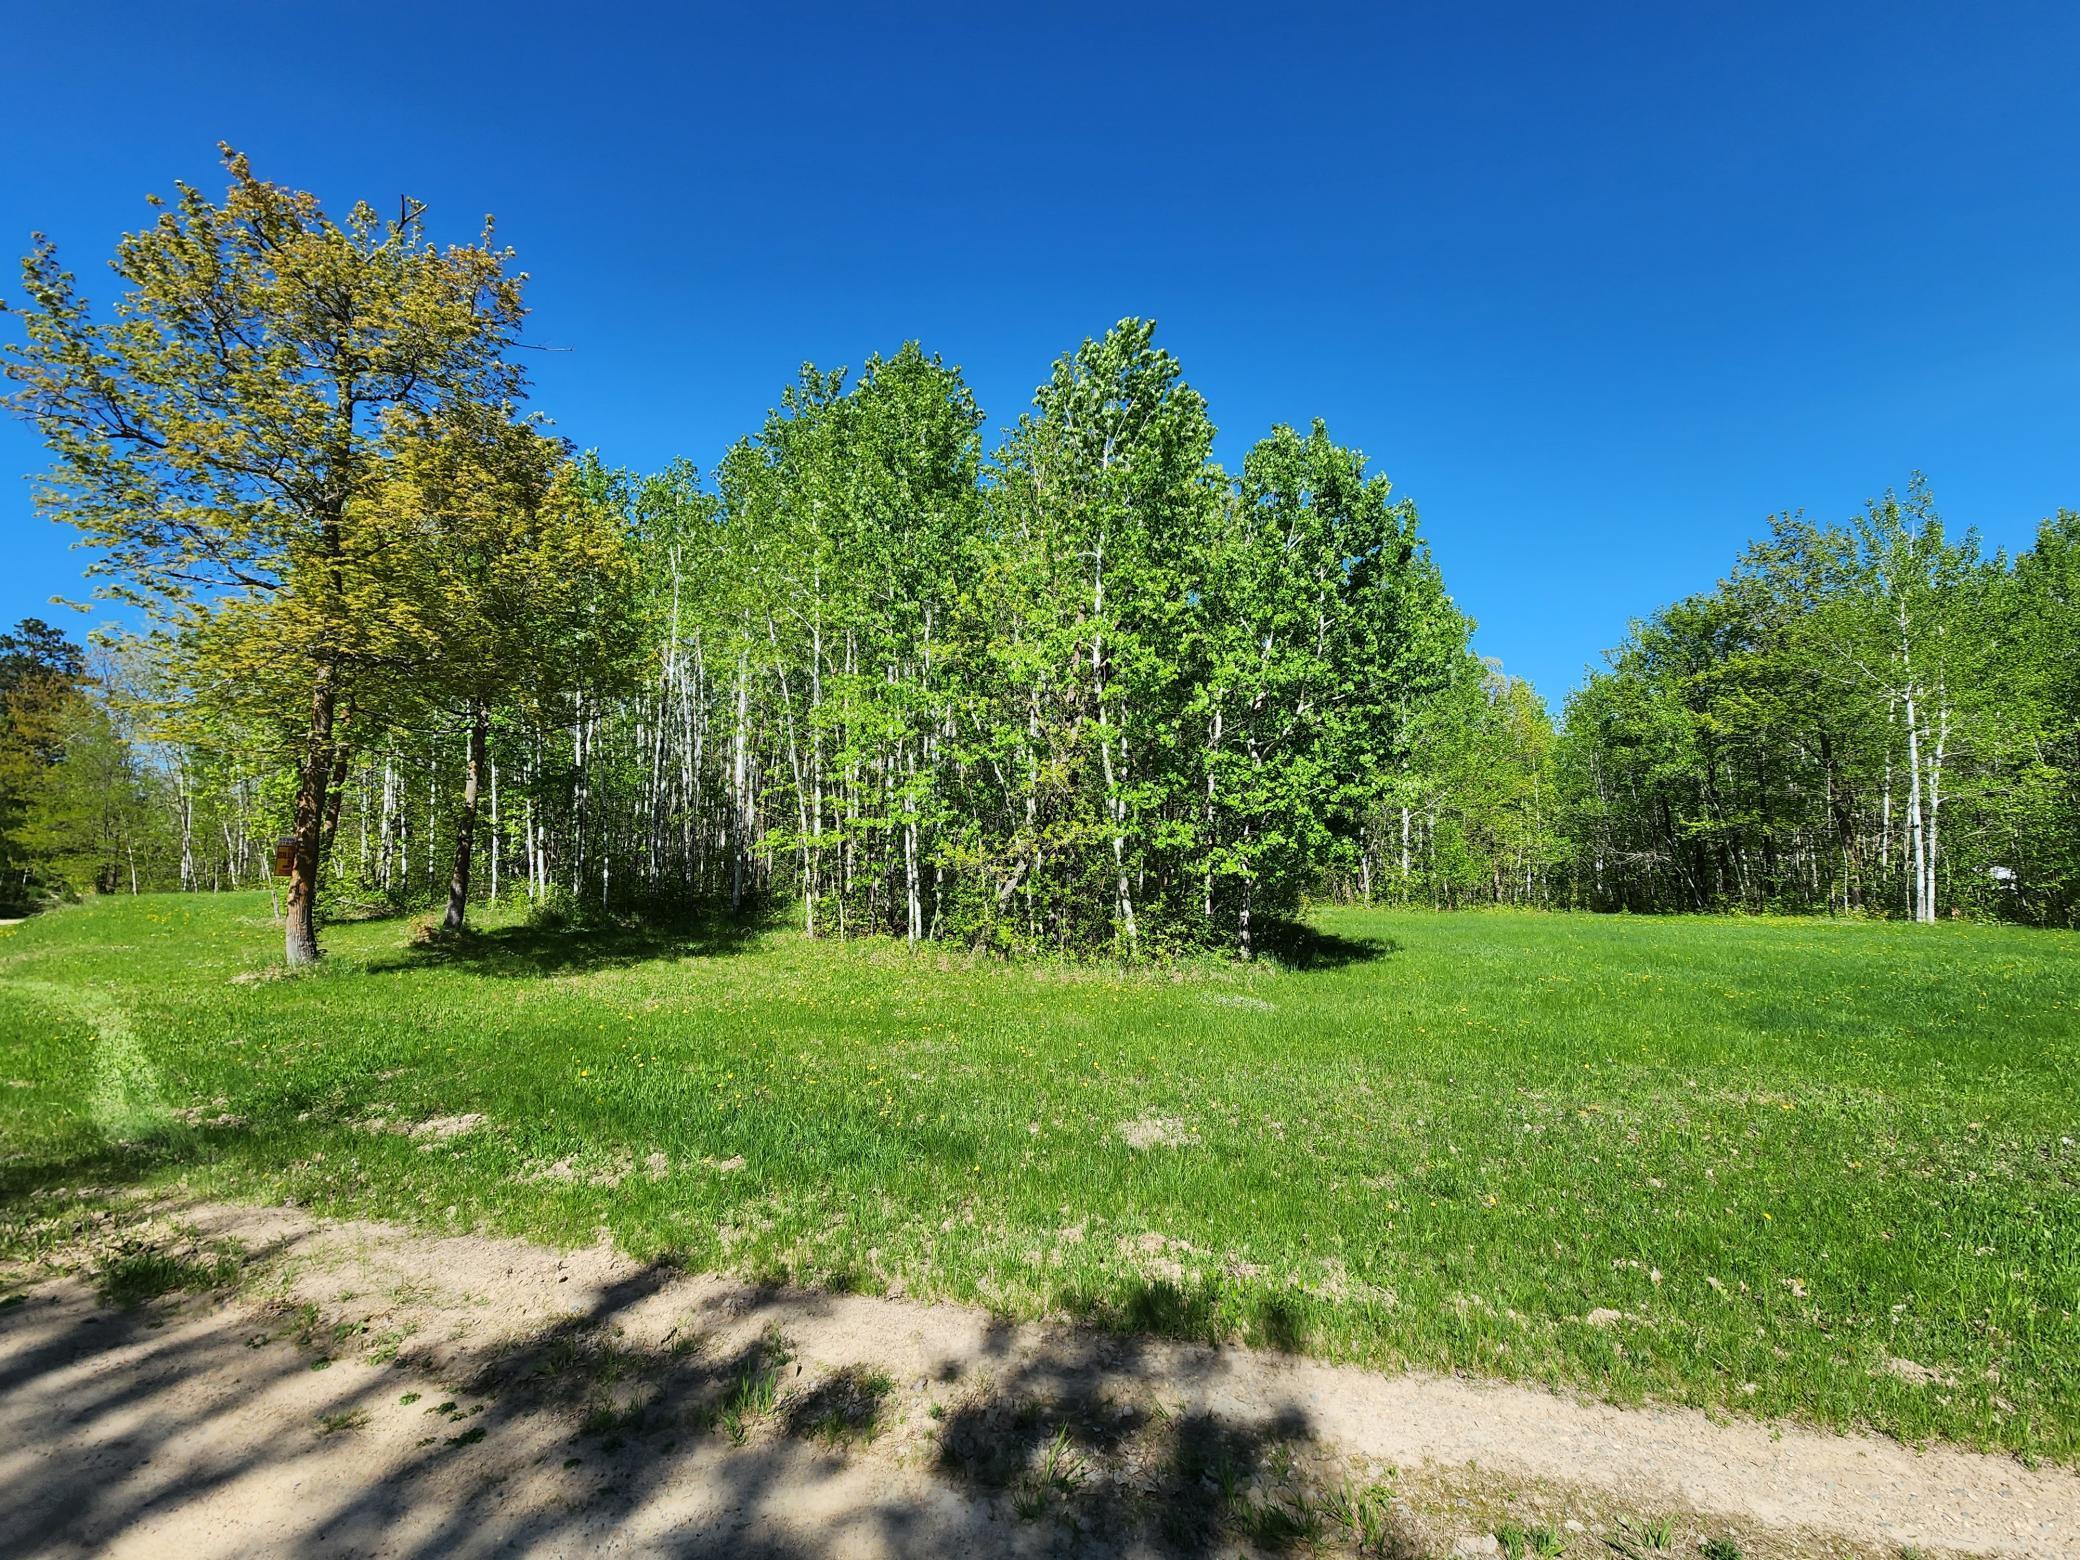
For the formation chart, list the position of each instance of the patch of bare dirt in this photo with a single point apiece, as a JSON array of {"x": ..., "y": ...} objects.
[
  {"x": 1156, "y": 1132},
  {"x": 367, "y": 1389},
  {"x": 439, "y": 1127}
]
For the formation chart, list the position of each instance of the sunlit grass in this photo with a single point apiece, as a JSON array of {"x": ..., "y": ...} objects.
[{"x": 1778, "y": 1167}]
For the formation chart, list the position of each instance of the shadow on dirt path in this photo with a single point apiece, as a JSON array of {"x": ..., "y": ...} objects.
[{"x": 358, "y": 1388}]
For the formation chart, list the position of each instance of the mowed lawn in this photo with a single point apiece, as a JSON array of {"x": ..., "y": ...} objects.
[{"x": 1773, "y": 1167}]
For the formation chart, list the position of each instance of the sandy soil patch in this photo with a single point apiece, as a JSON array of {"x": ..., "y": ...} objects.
[
  {"x": 371, "y": 1390},
  {"x": 1156, "y": 1132}
]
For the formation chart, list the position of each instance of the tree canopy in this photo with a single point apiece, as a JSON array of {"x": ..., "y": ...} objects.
[{"x": 1086, "y": 690}]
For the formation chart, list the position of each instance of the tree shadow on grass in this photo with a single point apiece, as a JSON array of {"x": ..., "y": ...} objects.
[
  {"x": 525, "y": 952},
  {"x": 1190, "y": 1313},
  {"x": 1298, "y": 946},
  {"x": 99, "y": 1169}
]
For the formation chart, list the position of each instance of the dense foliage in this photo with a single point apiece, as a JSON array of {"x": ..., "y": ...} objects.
[
  {"x": 1866, "y": 717},
  {"x": 1091, "y": 693},
  {"x": 225, "y": 435},
  {"x": 1086, "y": 691}
]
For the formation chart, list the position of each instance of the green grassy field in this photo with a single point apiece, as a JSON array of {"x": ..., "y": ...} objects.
[{"x": 1773, "y": 1167}]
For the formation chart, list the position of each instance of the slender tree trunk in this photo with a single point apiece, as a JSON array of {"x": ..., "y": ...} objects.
[
  {"x": 1207, "y": 845},
  {"x": 1885, "y": 825},
  {"x": 1935, "y": 801},
  {"x": 1918, "y": 906},
  {"x": 386, "y": 829},
  {"x": 466, "y": 820},
  {"x": 740, "y": 788},
  {"x": 812, "y": 886},
  {"x": 912, "y": 885},
  {"x": 1244, "y": 932},
  {"x": 300, "y": 937},
  {"x": 581, "y": 751},
  {"x": 362, "y": 812},
  {"x": 433, "y": 802},
  {"x": 497, "y": 844},
  {"x": 186, "y": 799},
  {"x": 803, "y": 845},
  {"x": 1115, "y": 801}
]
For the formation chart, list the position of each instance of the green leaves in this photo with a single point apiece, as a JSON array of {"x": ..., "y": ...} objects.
[
  {"x": 225, "y": 436},
  {"x": 1857, "y": 719},
  {"x": 234, "y": 403}
]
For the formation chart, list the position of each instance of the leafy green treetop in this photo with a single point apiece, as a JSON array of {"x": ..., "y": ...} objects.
[{"x": 218, "y": 436}]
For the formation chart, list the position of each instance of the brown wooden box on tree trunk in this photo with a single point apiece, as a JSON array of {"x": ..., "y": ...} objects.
[{"x": 285, "y": 855}]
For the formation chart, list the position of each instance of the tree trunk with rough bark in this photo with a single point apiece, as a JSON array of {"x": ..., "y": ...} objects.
[
  {"x": 300, "y": 936},
  {"x": 466, "y": 822}
]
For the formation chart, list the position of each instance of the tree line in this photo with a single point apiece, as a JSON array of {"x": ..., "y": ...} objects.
[
  {"x": 1866, "y": 717},
  {"x": 1081, "y": 689}
]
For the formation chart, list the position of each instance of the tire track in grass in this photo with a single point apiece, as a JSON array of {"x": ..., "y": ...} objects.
[{"x": 124, "y": 1097}]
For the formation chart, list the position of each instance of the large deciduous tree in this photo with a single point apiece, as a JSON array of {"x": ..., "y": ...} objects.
[{"x": 221, "y": 433}]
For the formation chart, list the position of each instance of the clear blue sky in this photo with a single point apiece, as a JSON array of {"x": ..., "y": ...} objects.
[{"x": 1599, "y": 286}]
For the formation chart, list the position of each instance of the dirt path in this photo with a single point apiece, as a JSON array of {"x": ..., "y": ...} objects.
[{"x": 367, "y": 1390}]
